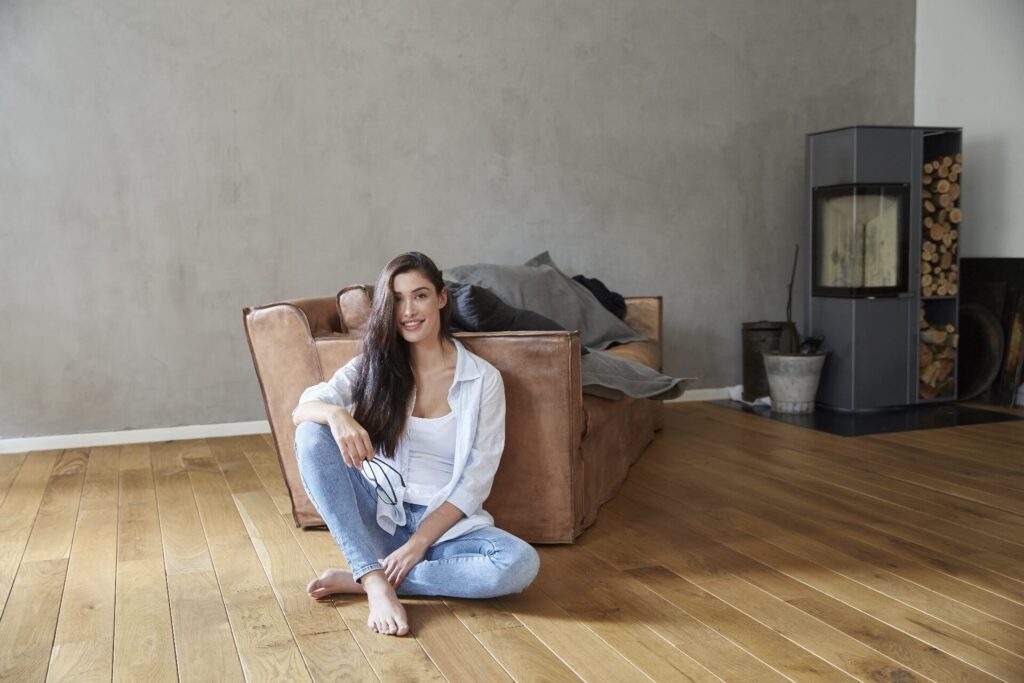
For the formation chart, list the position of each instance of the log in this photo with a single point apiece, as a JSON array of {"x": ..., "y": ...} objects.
[
  {"x": 958, "y": 157},
  {"x": 946, "y": 261},
  {"x": 947, "y": 387},
  {"x": 925, "y": 267},
  {"x": 945, "y": 367},
  {"x": 934, "y": 336},
  {"x": 942, "y": 216},
  {"x": 926, "y": 279},
  {"x": 928, "y": 168},
  {"x": 928, "y": 206},
  {"x": 928, "y": 392},
  {"x": 930, "y": 374},
  {"x": 956, "y": 215},
  {"x": 925, "y": 356},
  {"x": 945, "y": 201},
  {"x": 942, "y": 186},
  {"x": 943, "y": 171}
]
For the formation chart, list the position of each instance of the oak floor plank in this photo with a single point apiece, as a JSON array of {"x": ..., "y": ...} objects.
[
  {"x": 458, "y": 655},
  {"x": 30, "y": 620},
  {"x": 524, "y": 657},
  {"x": 203, "y": 643},
  {"x": 84, "y": 641},
  {"x": 510, "y": 643},
  {"x": 579, "y": 647},
  {"x": 263, "y": 459},
  {"x": 10, "y": 463},
  {"x": 143, "y": 635},
  {"x": 18, "y": 512},
  {"x": 266, "y": 645}
]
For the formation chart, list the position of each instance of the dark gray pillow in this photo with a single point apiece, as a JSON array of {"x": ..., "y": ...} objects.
[
  {"x": 478, "y": 309},
  {"x": 541, "y": 287}
]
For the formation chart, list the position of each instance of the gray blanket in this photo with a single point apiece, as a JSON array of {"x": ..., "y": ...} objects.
[
  {"x": 541, "y": 287},
  {"x": 609, "y": 376}
]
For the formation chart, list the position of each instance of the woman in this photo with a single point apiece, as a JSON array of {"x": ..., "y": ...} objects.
[{"x": 398, "y": 453}]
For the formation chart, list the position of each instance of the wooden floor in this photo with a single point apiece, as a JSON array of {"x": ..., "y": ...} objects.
[{"x": 740, "y": 549}]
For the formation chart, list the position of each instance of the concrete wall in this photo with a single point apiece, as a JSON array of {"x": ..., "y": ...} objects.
[
  {"x": 969, "y": 71},
  {"x": 163, "y": 164}
]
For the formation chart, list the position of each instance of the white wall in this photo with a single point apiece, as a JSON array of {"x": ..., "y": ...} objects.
[{"x": 970, "y": 73}]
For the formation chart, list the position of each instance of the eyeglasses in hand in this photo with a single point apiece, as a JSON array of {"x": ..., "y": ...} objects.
[{"x": 374, "y": 471}]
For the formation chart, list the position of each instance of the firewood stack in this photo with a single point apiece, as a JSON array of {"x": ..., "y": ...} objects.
[
  {"x": 941, "y": 212},
  {"x": 937, "y": 357}
]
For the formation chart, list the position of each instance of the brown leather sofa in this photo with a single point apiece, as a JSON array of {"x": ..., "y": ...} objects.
[{"x": 566, "y": 452}]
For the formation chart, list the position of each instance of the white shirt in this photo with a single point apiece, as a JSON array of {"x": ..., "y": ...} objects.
[
  {"x": 431, "y": 456},
  {"x": 477, "y": 398}
]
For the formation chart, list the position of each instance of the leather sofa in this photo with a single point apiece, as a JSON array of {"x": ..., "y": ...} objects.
[{"x": 566, "y": 452}]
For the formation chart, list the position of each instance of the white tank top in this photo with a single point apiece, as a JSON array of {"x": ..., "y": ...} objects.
[{"x": 431, "y": 456}]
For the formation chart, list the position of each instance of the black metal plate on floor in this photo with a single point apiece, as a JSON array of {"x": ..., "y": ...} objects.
[{"x": 883, "y": 422}]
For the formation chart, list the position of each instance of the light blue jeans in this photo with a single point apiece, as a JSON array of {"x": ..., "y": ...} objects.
[{"x": 483, "y": 563}]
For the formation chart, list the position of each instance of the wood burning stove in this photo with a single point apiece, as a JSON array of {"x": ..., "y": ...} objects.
[
  {"x": 884, "y": 218},
  {"x": 860, "y": 238}
]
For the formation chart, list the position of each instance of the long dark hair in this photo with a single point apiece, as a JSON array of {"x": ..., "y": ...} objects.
[{"x": 385, "y": 381}]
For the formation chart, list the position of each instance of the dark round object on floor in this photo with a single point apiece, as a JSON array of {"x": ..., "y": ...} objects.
[{"x": 981, "y": 350}]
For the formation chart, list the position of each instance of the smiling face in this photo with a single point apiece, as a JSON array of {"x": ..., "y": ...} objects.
[{"x": 417, "y": 307}]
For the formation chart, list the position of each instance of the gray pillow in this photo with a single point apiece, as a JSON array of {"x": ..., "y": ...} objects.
[{"x": 541, "y": 287}]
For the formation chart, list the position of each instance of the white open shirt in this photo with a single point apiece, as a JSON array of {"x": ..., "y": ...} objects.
[{"x": 477, "y": 397}]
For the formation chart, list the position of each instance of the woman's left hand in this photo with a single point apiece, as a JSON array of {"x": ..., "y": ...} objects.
[{"x": 399, "y": 563}]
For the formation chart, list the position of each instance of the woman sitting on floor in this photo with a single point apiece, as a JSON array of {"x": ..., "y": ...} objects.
[{"x": 414, "y": 396}]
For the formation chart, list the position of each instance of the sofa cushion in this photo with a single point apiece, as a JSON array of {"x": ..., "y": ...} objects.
[
  {"x": 354, "y": 304},
  {"x": 478, "y": 309},
  {"x": 541, "y": 287},
  {"x": 646, "y": 352}
]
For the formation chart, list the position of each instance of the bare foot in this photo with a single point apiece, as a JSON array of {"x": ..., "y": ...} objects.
[
  {"x": 387, "y": 616},
  {"x": 333, "y": 581}
]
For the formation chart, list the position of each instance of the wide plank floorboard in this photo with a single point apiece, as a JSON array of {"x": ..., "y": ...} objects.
[{"x": 739, "y": 549}]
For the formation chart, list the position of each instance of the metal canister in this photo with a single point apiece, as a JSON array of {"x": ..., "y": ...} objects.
[{"x": 759, "y": 336}]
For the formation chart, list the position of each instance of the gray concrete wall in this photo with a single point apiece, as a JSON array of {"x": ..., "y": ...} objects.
[{"x": 163, "y": 164}]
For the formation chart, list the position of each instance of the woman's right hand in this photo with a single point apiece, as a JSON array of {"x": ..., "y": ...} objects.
[{"x": 353, "y": 441}]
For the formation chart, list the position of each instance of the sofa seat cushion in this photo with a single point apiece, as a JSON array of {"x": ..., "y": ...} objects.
[{"x": 645, "y": 352}]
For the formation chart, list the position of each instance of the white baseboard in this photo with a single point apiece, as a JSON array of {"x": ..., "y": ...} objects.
[
  {"x": 714, "y": 394},
  {"x": 89, "y": 439}
]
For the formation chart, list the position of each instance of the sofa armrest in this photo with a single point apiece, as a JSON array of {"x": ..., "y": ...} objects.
[
  {"x": 644, "y": 314},
  {"x": 286, "y": 361},
  {"x": 541, "y": 468},
  {"x": 321, "y": 313}
]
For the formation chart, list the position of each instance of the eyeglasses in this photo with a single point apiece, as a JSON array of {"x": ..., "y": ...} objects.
[{"x": 388, "y": 495}]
